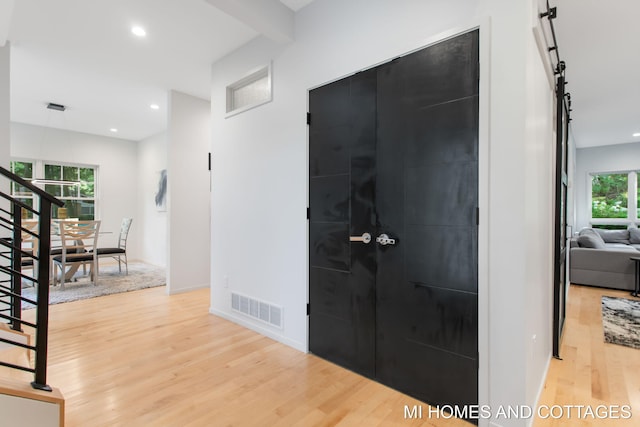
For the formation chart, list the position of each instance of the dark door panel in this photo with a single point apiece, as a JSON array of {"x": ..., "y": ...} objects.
[
  {"x": 451, "y": 129},
  {"x": 430, "y": 374},
  {"x": 341, "y": 188},
  {"x": 448, "y": 184},
  {"x": 560, "y": 285},
  {"x": 445, "y": 257},
  {"x": 329, "y": 246},
  {"x": 394, "y": 150},
  {"x": 329, "y": 198}
]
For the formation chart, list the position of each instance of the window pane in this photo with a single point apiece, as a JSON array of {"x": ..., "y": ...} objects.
[
  {"x": 609, "y": 226},
  {"x": 638, "y": 196},
  {"x": 29, "y": 202},
  {"x": 23, "y": 170},
  {"x": 70, "y": 190},
  {"x": 70, "y": 173},
  {"x": 81, "y": 209},
  {"x": 87, "y": 179},
  {"x": 52, "y": 172},
  {"x": 53, "y": 189},
  {"x": 609, "y": 195}
]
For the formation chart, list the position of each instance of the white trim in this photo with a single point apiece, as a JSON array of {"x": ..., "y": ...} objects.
[
  {"x": 251, "y": 77},
  {"x": 259, "y": 329},
  {"x": 632, "y": 219},
  {"x": 482, "y": 23},
  {"x": 484, "y": 150},
  {"x": 170, "y": 291}
]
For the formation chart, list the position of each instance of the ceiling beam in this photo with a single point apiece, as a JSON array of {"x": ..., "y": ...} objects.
[
  {"x": 6, "y": 10},
  {"x": 268, "y": 17}
]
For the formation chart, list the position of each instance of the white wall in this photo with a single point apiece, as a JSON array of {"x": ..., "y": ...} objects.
[
  {"x": 610, "y": 158},
  {"x": 539, "y": 217},
  {"x": 4, "y": 126},
  {"x": 117, "y": 172},
  {"x": 152, "y": 224},
  {"x": 260, "y": 173},
  {"x": 188, "y": 205},
  {"x": 4, "y": 105}
]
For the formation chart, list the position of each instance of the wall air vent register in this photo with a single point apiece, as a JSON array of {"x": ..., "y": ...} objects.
[{"x": 259, "y": 310}]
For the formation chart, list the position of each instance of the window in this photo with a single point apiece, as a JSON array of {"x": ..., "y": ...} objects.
[
  {"x": 79, "y": 200},
  {"x": 613, "y": 196},
  {"x": 19, "y": 192},
  {"x": 609, "y": 195},
  {"x": 250, "y": 91}
]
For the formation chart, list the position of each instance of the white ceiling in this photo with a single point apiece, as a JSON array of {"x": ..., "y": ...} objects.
[
  {"x": 82, "y": 54},
  {"x": 600, "y": 42}
]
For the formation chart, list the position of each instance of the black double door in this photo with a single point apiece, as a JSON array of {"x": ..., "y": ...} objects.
[{"x": 393, "y": 155}]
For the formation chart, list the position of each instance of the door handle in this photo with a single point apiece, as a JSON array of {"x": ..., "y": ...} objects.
[
  {"x": 365, "y": 238},
  {"x": 384, "y": 240}
]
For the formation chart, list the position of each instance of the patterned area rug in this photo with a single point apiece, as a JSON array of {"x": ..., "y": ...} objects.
[
  {"x": 621, "y": 321},
  {"x": 110, "y": 281}
]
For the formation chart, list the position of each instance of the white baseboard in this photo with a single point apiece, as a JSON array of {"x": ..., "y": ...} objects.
[
  {"x": 259, "y": 329},
  {"x": 540, "y": 390},
  {"x": 184, "y": 290}
]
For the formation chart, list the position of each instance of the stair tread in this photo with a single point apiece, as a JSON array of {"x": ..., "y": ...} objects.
[{"x": 23, "y": 389}]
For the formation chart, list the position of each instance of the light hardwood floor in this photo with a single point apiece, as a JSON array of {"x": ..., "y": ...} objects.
[
  {"x": 147, "y": 359},
  {"x": 591, "y": 371}
]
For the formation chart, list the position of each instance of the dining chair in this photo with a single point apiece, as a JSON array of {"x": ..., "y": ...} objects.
[
  {"x": 120, "y": 251},
  {"x": 78, "y": 240},
  {"x": 30, "y": 245}
]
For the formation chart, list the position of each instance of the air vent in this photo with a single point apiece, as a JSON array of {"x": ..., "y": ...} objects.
[
  {"x": 256, "y": 309},
  {"x": 57, "y": 107}
]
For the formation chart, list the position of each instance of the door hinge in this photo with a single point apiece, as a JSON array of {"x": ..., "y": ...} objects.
[
  {"x": 477, "y": 216},
  {"x": 209, "y": 161},
  {"x": 308, "y": 118},
  {"x": 308, "y": 309},
  {"x": 308, "y": 213}
]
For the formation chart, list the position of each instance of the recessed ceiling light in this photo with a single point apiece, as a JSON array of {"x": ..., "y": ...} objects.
[
  {"x": 154, "y": 106},
  {"x": 114, "y": 130},
  {"x": 636, "y": 134},
  {"x": 138, "y": 31}
]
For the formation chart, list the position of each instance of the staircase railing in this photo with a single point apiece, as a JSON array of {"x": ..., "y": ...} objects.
[{"x": 14, "y": 257}]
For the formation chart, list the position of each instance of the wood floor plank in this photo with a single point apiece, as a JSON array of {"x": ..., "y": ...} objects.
[
  {"x": 147, "y": 359},
  {"x": 591, "y": 372}
]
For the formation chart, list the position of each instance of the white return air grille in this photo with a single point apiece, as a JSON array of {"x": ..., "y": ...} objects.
[{"x": 259, "y": 310}]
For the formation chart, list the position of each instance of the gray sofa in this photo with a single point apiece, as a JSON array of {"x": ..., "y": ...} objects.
[{"x": 601, "y": 258}]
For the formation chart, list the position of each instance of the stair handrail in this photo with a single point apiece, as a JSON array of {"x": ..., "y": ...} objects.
[{"x": 14, "y": 293}]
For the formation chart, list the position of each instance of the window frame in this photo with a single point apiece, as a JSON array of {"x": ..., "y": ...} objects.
[
  {"x": 633, "y": 218},
  {"x": 38, "y": 170}
]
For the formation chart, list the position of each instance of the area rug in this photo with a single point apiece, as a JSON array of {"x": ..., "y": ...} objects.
[
  {"x": 621, "y": 321},
  {"x": 110, "y": 281}
]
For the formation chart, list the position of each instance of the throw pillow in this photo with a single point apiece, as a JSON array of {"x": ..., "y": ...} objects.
[
  {"x": 588, "y": 240},
  {"x": 614, "y": 236},
  {"x": 593, "y": 233},
  {"x": 634, "y": 236}
]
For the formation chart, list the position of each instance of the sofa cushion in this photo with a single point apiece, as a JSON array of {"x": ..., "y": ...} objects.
[
  {"x": 589, "y": 240},
  {"x": 619, "y": 247},
  {"x": 634, "y": 235},
  {"x": 635, "y": 245},
  {"x": 614, "y": 236}
]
